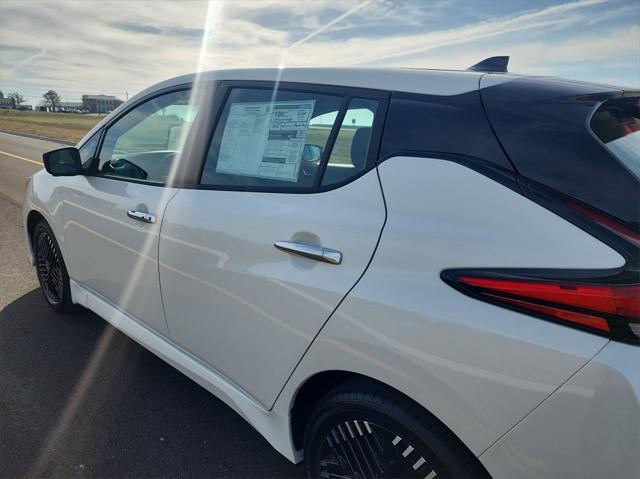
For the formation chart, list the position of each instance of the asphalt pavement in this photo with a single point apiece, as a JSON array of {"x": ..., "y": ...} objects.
[{"x": 80, "y": 399}]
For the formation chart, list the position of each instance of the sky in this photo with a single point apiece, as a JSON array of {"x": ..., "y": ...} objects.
[{"x": 120, "y": 47}]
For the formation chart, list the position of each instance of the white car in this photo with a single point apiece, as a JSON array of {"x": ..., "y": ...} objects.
[{"x": 387, "y": 272}]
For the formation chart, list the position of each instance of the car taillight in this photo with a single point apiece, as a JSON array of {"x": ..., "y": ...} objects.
[
  {"x": 605, "y": 302},
  {"x": 610, "y": 309},
  {"x": 617, "y": 300}
]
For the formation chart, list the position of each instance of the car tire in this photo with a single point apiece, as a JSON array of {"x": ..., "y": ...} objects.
[
  {"x": 364, "y": 429},
  {"x": 51, "y": 269}
]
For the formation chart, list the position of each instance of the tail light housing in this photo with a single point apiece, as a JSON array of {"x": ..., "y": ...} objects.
[
  {"x": 593, "y": 305},
  {"x": 605, "y": 302}
]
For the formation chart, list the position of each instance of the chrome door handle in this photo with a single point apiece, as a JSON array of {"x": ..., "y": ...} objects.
[
  {"x": 142, "y": 216},
  {"x": 318, "y": 253}
]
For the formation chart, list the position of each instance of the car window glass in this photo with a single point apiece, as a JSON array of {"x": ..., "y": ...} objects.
[
  {"x": 617, "y": 124},
  {"x": 88, "y": 150},
  {"x": 267, "y": 139},
  {"x": 143, "y": 144},
  {"x": 349, "y": 155}
]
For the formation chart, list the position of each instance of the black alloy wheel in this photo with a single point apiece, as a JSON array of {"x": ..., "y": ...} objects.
[
  {"x": 50, "y": 268},
  {"x": 361, "y": 449},
  {"x": 364, "y": 429}
]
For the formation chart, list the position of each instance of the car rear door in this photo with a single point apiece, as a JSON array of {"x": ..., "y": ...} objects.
[{"x": 283, "y": 222}]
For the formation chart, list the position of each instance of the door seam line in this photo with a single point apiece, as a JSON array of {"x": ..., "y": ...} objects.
[
  {"x": 535, "y": 408},
  {"x": 164, "y": 312},
  {"x": 366, "y": 268}
]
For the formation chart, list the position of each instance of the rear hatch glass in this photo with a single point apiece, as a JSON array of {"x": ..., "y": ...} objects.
[{"x": 617, "y": 123}]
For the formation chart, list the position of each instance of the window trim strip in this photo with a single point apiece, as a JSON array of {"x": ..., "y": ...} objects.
[{"x": 331, "y": 141}]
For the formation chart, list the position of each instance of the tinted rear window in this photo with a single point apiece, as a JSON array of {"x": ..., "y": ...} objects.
[{"x": 617, "y": 124}]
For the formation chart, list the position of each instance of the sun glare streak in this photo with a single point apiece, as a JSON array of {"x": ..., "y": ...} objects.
[
  {"x": 276, "y": 86},
  {"x": 199, "y": 89},
  {"x": 148, "y": 249},
  {"x": 196, "y": 97},
  {"x": 150, "y": 244}
]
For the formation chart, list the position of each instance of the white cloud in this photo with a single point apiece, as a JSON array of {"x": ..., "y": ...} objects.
[
  {"x": 366, "y": 51},
  {"x": 108, "y": 47}
]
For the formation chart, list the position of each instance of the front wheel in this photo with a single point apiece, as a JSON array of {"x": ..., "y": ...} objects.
[
  {"x": 50, "y": 268},
  {"x": 366, "y": 430}
]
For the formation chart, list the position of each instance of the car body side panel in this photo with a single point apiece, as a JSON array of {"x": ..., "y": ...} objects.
[
  {"x": 273, "y": 426},
  {"x": 595, "y": 417},
  {"x": 46, "y": 196},
  {"x": 112, "y": 254},
  {"x": 477, "y": 367},
  {"x": 241, "y": 305}
]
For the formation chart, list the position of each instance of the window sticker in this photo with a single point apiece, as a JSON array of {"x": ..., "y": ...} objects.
[{"x": 265, "y": 139}]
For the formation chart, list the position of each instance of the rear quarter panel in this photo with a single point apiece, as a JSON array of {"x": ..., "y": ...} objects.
[
  {"x": 477, "y": 367},
  {"x": 594, "y": 416}
]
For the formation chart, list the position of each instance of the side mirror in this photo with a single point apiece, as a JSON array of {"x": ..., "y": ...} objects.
[
  {"x": 311, "y": 153},
  {"x": 63, "y": 162}
]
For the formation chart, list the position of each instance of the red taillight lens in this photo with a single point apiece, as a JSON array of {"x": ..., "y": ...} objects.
[
  {"x": 616, "y": 300},
  {"x": 613, "y": 308},
  {"x": 562, "y": 314}
]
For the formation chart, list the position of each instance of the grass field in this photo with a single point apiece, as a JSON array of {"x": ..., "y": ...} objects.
[
  {"x": 65, "y": 126},
  {"x": 341, "y": 153}
]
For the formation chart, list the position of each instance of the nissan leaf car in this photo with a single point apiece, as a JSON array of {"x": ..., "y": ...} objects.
[{"x": 386, "y": 272}]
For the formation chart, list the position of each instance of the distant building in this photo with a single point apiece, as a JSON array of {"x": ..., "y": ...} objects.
[
  {"x": 6, "y": 104},
  {"x": 25, "y": 107},
  {"x": 71, "y": 106},
  {"x": 63, "y": 106},
  {"x": 44, "y": 107},
  {"x": 100, "y": 103}
]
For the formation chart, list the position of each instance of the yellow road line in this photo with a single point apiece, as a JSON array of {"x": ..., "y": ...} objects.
[{"x": 20, "y": 158}]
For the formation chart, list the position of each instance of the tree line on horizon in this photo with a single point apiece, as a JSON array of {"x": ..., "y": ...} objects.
[{"x": 51, "y": 98}]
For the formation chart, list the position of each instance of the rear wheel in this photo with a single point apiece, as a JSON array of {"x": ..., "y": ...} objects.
[
  {"x": 50, "y": 268},
  {"x": 366, "y": 430}
]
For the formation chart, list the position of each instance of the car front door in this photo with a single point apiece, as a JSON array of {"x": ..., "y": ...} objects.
[
  {"x": 114, "y": 213},
  {"x": 285, "y": 219}
]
